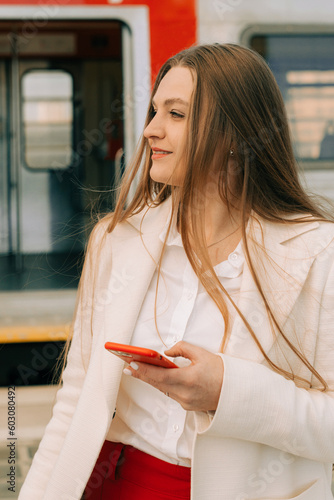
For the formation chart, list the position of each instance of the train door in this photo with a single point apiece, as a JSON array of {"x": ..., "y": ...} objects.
[{"x": 61, "y": 138}]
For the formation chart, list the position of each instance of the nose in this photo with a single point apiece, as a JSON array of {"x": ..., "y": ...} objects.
[{"x": 155, "y": 128}]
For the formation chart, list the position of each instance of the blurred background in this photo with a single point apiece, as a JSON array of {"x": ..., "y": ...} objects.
[{"x": 75, "y": 79}]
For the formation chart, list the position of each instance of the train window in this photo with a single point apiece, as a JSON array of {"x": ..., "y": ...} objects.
[
  {"x": 47, "y": 114},
  {"x": 304, "y": 68}
]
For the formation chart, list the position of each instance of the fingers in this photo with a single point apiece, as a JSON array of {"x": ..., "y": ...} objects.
[
  {"x": 158, "y": 377},
  {"x": 173, "y": 382},
  {"x": 196, "y": 387},
  {"x": 185, "y": 350}
]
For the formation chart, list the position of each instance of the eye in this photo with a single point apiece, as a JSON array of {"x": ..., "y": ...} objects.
[{"x": 175, "y": 114}]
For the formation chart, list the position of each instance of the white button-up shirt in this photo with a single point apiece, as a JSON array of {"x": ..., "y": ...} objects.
[{"x": 145, "y": 417}]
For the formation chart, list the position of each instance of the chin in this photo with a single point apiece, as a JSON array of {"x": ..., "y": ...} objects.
[{"x": 158, "y": 175}]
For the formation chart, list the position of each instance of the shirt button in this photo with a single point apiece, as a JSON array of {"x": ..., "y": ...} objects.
[
  {"x": 176, "y": 338},
  {"x": 175, "y": 427},
  {"x": 234, "y": 256},
  {"x": 190, "y": 295}
]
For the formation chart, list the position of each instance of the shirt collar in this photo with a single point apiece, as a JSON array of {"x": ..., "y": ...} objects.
[{"x": 174, "y": 237}]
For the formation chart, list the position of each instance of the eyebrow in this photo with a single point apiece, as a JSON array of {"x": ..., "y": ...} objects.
[{"x": 173, "y": 100}]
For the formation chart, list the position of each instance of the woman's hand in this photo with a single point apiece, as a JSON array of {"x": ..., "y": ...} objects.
[{"x": 196, "y": 387}]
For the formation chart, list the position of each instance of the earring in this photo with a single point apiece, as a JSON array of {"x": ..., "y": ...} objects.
[{"x": 231, "y": 152}]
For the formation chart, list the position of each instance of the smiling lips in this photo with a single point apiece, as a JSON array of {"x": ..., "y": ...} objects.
[{"x": 159, "y": 153}]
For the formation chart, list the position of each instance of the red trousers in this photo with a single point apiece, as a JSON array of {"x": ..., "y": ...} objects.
[{"x": 122, "y": 472}]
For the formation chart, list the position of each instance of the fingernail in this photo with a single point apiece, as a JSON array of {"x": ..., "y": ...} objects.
[
  {"x": 134, "y": 365},
  {"x": 126, "y": 371}
]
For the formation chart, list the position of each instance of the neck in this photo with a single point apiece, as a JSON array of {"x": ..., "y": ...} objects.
[{"x": 220, "y": 222}]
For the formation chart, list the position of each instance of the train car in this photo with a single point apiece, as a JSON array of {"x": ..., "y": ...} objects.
[{"x": 75, "y": 79}]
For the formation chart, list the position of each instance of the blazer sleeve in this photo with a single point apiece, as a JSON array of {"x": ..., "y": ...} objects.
[
  {"x": 259, "y": 405},
  {"x": 72, "y": 381}
]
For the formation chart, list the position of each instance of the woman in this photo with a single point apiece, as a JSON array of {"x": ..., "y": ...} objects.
[{"x": 222, "y": 261}]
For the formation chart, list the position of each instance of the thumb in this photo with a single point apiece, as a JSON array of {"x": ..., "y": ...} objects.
[{"x": 185, "y": 350}]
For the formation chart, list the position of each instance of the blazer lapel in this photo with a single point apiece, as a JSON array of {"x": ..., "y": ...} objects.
[
  {"x": 135, "y": 251},
  {"x": 282, "y": 270}
]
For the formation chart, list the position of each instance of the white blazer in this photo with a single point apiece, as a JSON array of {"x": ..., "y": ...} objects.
[{"x": 269, "y": 439}]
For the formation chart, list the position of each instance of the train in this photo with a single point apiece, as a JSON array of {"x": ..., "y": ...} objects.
[{"x": 75, "y": 81}]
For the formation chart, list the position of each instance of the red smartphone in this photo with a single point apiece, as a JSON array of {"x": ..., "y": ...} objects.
[{"x": 132, "y": 353}]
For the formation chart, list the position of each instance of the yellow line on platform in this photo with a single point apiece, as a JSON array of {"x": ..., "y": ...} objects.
[{"x": 34, "y": 333}]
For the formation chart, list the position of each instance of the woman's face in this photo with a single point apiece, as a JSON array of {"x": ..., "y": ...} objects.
[{"x": 166, "y": 131}]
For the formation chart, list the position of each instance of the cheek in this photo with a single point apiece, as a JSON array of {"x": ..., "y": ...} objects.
[{"x": 178, "y": 139}]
